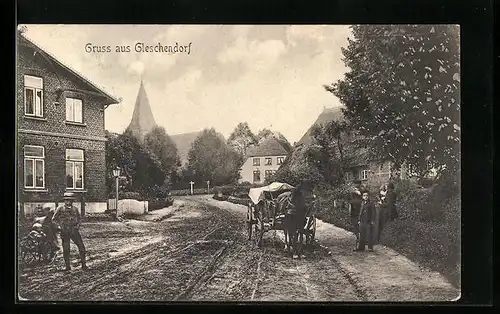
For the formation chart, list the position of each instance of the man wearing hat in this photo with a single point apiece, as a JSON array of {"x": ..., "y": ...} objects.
[{"x": 68, "y": 218}]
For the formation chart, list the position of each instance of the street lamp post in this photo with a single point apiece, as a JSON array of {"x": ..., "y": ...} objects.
[{"x": 116, "y": 174}]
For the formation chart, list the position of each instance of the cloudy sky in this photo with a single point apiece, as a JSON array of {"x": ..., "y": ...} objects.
[{"x": 270, "y": 76}]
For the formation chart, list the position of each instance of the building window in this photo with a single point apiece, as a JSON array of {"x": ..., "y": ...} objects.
[
  {"x": 33, "y": 96},
  {"x": 364, "y": 174},
  {"x": 348, "y": 176},
  {"x": 269, "y": 161},
  {"x": 74, "y": 110},
  {"x": 280, "y": 160},
  {"x": 74, "y": 168},
  {"x": 269, "y": 173},
  {"x": 256, "y": 161},
  {"x": 34, "y": 167},
  {"x": 256, "y": 176}
]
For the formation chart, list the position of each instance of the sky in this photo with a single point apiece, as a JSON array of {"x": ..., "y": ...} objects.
[{"x": 270, "y": 76}]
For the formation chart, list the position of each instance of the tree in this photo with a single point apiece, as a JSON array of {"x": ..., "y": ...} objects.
[
  {"x": 241, "y": 138},
  {"x": 332, "y": 155},
  {"x": 265, "y": 133},
  {"x": 141, "y": 169},
  {"x": 402, "y": 93},
  {"x": 210, "y": 158},
  {"x": 161, "y": 145}
]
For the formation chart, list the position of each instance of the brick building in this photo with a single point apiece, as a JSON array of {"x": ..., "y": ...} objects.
[{"x": 60, "y": 133}]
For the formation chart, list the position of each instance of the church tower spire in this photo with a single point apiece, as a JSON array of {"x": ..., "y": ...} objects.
[{"x": 142, "y": 119}]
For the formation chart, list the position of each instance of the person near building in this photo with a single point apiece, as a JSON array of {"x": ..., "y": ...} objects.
[
  {"x": 366, "y": 219},
  {"x": 68, "y": 218}
]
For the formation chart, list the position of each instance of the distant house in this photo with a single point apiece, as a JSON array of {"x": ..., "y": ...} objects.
[
  {"x": 60, "y": 133},
  {"x": 371, "y": 172},
  {"x": 262, "y": 161}
]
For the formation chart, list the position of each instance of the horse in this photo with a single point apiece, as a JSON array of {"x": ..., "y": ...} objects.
[{"x": 292, "y": 205}]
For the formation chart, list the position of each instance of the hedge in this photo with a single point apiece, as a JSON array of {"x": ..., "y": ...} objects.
[
  {"x": 188, "y": 192},
  {"x": 237, "y": 200},
  {"x": 427, "y": 229},
  {"x": 157, "y": 203},
  {"x": 220, "y": 198}
]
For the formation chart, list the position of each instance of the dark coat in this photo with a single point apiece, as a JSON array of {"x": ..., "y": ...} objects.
[
  {"x": 367, "y": 214},
  {"x": 67, "y": 217},
  {"x": 355, "y": 201}
]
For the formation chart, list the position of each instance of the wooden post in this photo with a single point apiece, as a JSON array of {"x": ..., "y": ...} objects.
[
  {"x": 82, "y": 205},
  {"x": 191, "y": 183}
]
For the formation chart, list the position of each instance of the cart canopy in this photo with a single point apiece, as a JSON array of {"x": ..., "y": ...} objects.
[{"x": 275, "y": 188}]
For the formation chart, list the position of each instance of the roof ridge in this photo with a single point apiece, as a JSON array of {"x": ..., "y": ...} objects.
[{"x": 77, "y": 73}]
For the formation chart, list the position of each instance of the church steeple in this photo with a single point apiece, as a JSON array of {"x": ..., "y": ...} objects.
[{"x": 142, "y": 119}]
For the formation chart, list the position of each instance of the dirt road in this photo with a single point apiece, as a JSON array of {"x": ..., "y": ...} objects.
[{"x": 201, "y": 253}]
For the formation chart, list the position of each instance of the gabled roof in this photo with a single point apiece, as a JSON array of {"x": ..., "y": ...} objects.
[
  {"x": 268, "y": 147},
  {"x": 142, "y": 119},
  {"x": 328, "y": 114},
  {"x": 24, "y": 40}
]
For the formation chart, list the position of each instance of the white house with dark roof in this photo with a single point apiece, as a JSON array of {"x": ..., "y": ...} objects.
[{"x": 262, "y": 161}]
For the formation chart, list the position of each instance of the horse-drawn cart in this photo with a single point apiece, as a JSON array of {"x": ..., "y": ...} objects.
[{"x": 264, "y": 214}]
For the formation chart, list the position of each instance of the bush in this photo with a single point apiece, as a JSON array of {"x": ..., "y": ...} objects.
[
  {"x": 220, "y": 198},
  {"x": 188, "y": 192},
  {"x": 237, "y": 200},
  {"x": 427, "y": 230},
  {"x": 432, "y": 244},
  {"x": 130, "y": 195},
  {"x": 157, "y": 203},
  {"x": 328, "y": 212}
]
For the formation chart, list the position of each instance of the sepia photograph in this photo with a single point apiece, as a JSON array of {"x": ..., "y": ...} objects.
[{"x": 238, "y": 163}]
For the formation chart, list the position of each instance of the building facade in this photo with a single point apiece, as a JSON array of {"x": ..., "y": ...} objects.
[
  {"x": 60, "y": 133},
  {"x": 262, "y": 161}
]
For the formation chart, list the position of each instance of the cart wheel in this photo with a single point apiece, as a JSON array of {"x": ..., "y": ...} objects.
[
  {"x": 313, "y": 235},
  {"x": 28, "y": 252},
  {"x": 47, "y": 253},
  {"x": 311, "y": 232},
  {"x": 249, "y": 223},
  {"x": 28, "y": 257},
  {"x": 259, "y": 230}
]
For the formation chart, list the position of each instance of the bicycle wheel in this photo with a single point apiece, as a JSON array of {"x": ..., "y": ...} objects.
[
  {"x": 28, "y": 251},
  {"x": 47, "y": 252}
]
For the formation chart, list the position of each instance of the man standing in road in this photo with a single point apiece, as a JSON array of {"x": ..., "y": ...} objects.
[
  {"x": 366, "y": 218},
  {"x": 68, "y": 218}
]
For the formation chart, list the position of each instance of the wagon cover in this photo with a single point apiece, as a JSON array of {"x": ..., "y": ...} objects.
[{"x": 258, "y": 194}]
